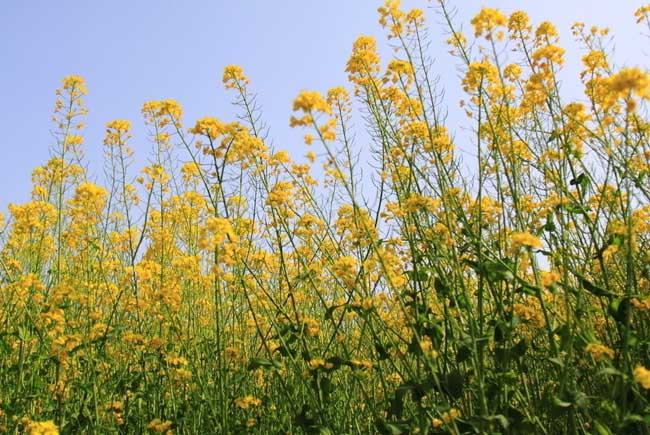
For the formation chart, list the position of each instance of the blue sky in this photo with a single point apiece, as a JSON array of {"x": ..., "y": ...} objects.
[{"x": 133, "y": 51}]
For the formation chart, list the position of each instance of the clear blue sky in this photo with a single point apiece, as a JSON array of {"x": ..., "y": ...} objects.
[{"x": 133, "y": 51}]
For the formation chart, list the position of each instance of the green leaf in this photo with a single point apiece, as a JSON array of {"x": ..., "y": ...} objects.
[
  {"x": 501, "y": 331},
  {"x": 336, "y": 362},
  {"x": 576, "y": 208},
  {"x": 386, "y": 428},
  {"x": 310, "y": 274},
  {"x": 420, "y": 275},
  {"x": 306, "y": 421},
  {"x": 497, "y": 271},
  {"x": 256, "y": 363},
  {"x": 609, "y": 371},
  {"x": 602, "y": 429},
  {"x": 555, "y": 134},
  {"x": 619, "y": 308},
  {"x": 330, "y": 311},
  {"x": 501, "y": 419},
  {"x": 463, "y": 353},
  {"x": 441, "y": 287},
  {"x": 561, "y": 403},
  {"x": 396, "y": 407},
  {"x": 453, "y": 384},
  {"x": 549, "y": 226},
  {"x": 593, "y": 288},
  {"x": 634, "y": 417},
  {"x": 528, "y": 289},
  {"x": 519, "y": 349},
  {"x": 382, "y": 351},
  {"x": 581, "y": 180}
]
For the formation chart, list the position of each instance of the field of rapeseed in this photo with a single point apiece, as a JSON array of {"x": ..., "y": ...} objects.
[{"x": 229, "y": 288}]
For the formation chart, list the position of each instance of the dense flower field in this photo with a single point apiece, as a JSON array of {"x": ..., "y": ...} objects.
[{"x": 228, "y": 287}]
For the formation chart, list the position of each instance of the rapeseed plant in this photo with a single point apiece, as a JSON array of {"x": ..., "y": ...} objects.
[{"x": 243, "y": 291}]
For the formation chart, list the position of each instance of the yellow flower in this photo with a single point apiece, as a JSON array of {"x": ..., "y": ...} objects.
[
  {"x": 117, "y": 132},
  {"x": 642, "y": 376},
  {"x": 630, "y": 80},
  {"x": 119, "y": 125},
  {"x": 319, "y": 362},
  {"x": 518, "y": 23},
  {"x": 549, "y": 278},
  {"x": 208, "y": 126},
  {"x": 512, "y": 72},
  {"x": 391, "y": 17},
  {"x": 345, "y": 268},
  {"x": 415, "y": 16},
  {"x": 364, "y": 60},
  {"x": 598, "y": 351},
  {"x": 546, "y": 31},
  {"x": 162, "y": 113},
  {"x": 115, "y": 406},
  {"x": 366, "y": 365},
  {"x": 233, "y": 76},
  {"x": 480, "y": 74},
  {"x": 416, "y": 130},
  {"x": 642, "y": 13},
  {"x": 308, "y": 101},
  {"x": 175, "y": 360},
  {"x": 487, "y": 20},
  {"x": 528, "y": 313},
  {"x": 450, "y": 415},
  {"x": 549, "y": 54},
  {"x": 42, "y": 428},
  {"x": 157, "y": 425},
  {"x": 216, "y": 232},
  {"x": 75, "y": 84},
  {"x": 641, "y": 304},
  {"x": 311, "y": 327},
  {"x": 525, "y": 239},
  {"x": 247, "y": 401},
  {"x": 594, "y": 60},
  {"x": 280, "y": 194},
  {"x": 339, "y": 97}
]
